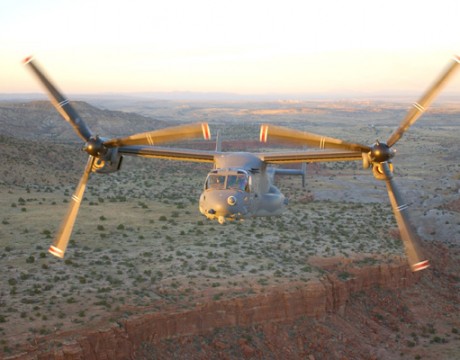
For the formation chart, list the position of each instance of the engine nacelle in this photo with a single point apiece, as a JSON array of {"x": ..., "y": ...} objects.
[
  {"x": 110, "y": 163},
  {"x": 378, "y": 171}
]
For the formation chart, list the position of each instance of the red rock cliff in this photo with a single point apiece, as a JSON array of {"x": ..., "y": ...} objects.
[{"x": 315, "y": 299}]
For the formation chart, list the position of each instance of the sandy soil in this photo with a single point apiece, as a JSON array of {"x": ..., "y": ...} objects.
[{"x": 139, "y": 240}]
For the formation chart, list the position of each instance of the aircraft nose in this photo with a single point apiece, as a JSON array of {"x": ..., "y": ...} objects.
[{"x": 223, "y": 204}]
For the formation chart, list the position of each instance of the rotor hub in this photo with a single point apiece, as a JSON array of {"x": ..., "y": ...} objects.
[
  {"x": 95, "y": 147},
  {"x": 381, "y": 152}
]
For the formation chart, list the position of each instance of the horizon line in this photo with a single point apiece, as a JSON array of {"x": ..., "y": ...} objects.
[{"x": 185, "y": 95}]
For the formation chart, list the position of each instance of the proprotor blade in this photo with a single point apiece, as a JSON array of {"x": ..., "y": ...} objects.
[
  {"x": 60, "y": 103},
  {"x": 62, "y": 238},
  {"x": 163, "y": 135},
  {"x": 291, "y": 136},
  {"x": 424, "y": 102},
  {"x": 408, "y": 236}
]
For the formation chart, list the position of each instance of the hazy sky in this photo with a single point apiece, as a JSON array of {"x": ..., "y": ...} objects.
[{"x": 284, "y": 46}]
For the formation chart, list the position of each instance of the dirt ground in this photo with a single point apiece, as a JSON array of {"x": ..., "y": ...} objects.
[{"x": 140, "y": 246}]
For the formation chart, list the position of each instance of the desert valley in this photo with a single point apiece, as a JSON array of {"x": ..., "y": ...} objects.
[{"x": 146, "y": 276}]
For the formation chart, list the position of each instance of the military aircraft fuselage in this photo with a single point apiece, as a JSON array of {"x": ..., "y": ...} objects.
[{"x": 240, "y": 186}]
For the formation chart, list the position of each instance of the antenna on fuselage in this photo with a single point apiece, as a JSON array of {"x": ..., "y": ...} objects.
[{"x": 218, "y": 142}]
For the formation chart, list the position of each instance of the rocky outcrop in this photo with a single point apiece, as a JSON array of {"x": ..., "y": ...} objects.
[{"x": 314, "y": 299}]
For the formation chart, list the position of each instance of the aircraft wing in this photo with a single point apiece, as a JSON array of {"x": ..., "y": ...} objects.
[
  {"x": 309, "y": 156},
  {"x": 168, "y": 153}
]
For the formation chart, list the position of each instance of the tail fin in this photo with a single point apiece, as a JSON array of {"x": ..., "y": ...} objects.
[{"x": 302, "y": 172}]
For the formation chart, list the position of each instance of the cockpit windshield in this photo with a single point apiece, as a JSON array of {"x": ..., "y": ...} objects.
[
  {"x": 216, "y": 182},
  {"x": 237, "y": 181}
]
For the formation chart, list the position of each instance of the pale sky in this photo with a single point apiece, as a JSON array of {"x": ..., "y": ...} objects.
[{"x": 240, "y": 46}]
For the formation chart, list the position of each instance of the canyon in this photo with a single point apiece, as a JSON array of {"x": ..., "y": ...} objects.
[
  {"x": 351, "y": 312},
  {"x": 146, "y": 278}
]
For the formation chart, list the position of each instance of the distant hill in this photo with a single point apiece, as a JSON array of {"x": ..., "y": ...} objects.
[{"x": 39, "y": 120}]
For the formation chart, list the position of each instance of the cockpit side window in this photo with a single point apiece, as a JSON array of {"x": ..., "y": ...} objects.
[{"x": 216, "y": 182}]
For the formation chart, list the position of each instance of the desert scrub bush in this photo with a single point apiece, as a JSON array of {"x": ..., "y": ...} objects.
[
  {"x": 438, "y": 340},
  {"x": 47, "y": 233}
]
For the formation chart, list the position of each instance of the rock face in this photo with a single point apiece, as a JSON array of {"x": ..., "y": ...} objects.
[{"x": 314, "y": 300}]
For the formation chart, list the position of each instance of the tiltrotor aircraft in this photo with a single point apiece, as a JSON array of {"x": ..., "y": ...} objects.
[{"x": 241, "y": 185}]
